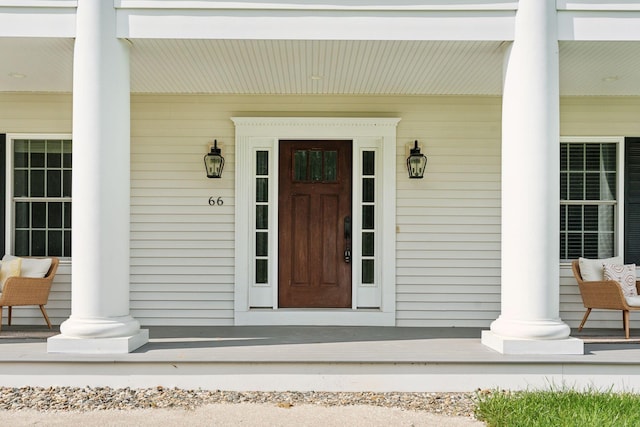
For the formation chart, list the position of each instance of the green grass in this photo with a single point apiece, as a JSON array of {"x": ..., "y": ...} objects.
[{"x": 562, "y": 408}]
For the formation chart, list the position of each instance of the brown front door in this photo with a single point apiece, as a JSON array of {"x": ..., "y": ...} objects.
[{"x": 314, "y": 224}]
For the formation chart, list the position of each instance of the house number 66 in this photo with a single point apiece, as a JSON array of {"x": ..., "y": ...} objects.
[{"x": 216, "y": 201}]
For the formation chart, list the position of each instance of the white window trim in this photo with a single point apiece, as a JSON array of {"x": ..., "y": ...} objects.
[
  {"x": 252, "y": 132},
  {"x": 619, "y": 226},
  {"x": 9, "y": 211}
]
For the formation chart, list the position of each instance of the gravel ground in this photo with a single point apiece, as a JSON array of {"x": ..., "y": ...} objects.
[
  {"x": 105, "y": 398},
  {"x": 103, "y": 406}
]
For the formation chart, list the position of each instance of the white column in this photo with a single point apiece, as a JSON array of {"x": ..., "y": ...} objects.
[
  {"x": 529, "y": 321},
  {"x": 100, "y": 321}
]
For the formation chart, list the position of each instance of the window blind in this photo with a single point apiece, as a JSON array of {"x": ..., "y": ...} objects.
[{"x": 588, "y": 182}]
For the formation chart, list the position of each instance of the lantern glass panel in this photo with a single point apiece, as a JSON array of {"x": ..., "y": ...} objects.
[{"x": 416, "y": 165}]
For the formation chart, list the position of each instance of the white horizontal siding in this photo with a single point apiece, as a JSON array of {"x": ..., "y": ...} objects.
[
  {"x": 448, "y": 224},
  {"x": 35, "y": 113},
  {"x": 448, "y": 241},
  {"x": 453, "y": 217},
  {"x": 182, "y": 250}
]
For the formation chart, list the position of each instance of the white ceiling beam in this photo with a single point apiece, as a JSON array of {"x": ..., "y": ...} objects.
[
  {"x": 599, "y": 26},
  {"x": 38, "y": 21},
  {"x": 38, "y": 3},
  {"x": 379, "y": 5},
  {"x": 598, "y": 5},
  {"x": 321, "y": 25}
]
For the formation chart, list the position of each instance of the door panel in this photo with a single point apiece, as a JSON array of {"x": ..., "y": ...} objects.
[
  {"x": 330, "y": 249},
  {"x": 300, "y": 238},
  {"x": 314, "y": 200}
]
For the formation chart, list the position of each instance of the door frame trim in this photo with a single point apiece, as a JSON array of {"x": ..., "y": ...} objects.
[{"x": 252, "y": 132}]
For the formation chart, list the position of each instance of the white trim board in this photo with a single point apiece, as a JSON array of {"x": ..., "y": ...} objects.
[
  {"x": 264, "y": 133},
  {"x": 497, "y": 25},
  {"x": 21, "y": 18},
  {"x": 352, "y": 5}
]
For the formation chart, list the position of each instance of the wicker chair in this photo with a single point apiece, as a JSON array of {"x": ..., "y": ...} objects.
[
  {"x": 606, "y": 294},
  {"x": 28, "y": 291}
]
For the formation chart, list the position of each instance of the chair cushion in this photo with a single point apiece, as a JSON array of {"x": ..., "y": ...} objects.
[
  {"x": 32, "y": 267},
  {"x": 623, "y": 274},
  {"x": 9, "y": 268},
  {"x": 633, "y": 301},
  {"x": 593, "y": 269}
]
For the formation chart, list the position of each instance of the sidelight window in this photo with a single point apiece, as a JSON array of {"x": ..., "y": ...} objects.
[
  {"x": 262, "y": 217},
  {"x": 368, "y": 217}
]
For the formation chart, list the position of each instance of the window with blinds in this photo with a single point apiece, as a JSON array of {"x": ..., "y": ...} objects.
[{"x": 588, "y": 199}]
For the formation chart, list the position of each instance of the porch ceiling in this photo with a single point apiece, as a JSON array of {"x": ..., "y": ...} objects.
[{"x": 320, "y": 67}]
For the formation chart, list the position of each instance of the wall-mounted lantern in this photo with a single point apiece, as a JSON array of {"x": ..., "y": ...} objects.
[
  {"x": 416, "y": 162},
  {"x": 214, "y": 162}
]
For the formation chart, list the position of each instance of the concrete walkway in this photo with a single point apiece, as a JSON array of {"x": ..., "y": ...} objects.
[{"x": 233, "y": 415}]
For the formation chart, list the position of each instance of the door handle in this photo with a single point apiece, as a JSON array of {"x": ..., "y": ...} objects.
[
  {"x": 347, "y": 239},
  {"x": 347, "y": 228}
]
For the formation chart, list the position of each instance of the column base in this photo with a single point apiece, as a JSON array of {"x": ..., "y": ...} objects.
[
  {"x": 113, "y": 345},
  {"x": 508, "y": 345}
]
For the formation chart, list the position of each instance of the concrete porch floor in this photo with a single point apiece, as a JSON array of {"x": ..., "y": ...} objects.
[{"x": 319, "y": 358}]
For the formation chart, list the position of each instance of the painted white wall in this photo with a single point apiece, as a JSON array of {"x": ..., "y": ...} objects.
[
  {"x": 448, "y": 231},
  {"x": 448, "y": 224}
]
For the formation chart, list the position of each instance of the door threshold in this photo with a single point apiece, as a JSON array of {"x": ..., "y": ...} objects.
[
  {"x": 315, "y": 316},
  {"x": 328, "y": 309}
]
